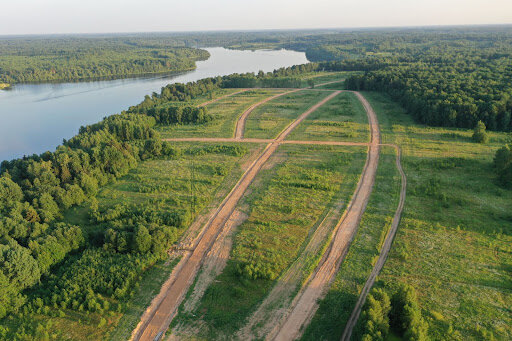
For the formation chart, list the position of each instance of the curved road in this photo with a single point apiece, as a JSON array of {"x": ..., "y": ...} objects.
[{"x": 306, "y": 302}]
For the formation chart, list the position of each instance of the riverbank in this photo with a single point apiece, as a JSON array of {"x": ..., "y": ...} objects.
[{"x": 5, "y": 86}]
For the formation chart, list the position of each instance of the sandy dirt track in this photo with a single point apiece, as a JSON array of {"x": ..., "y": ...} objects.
[
  {"x": 251, "y": 140},
  {"x": 347, "y": 333},
  {"x": 158, "y": 320},
  {"x": 306, "y": 302}
]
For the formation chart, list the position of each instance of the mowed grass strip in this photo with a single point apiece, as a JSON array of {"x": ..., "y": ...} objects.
[
  {"x": 268, "y": 120},
  {"x": 454, "y": 244},
  {"x": 341, "y": 119},
  {"x": 285, "y": 204},
  {"x": 335, "y": 309},
  {"x": 225, "y": 113}
]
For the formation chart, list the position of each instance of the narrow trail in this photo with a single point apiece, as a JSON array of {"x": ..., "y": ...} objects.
[
  {"x": 157, "y": 321},
  {"x": 306, "y": 302},
  {"x": 347, "y": 333},
  {"x": 254, "y": 140},
  {"x": 240, "y": 124}
]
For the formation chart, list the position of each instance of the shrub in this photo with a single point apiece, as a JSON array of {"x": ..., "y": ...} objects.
[{"x": 479, "y": 133}]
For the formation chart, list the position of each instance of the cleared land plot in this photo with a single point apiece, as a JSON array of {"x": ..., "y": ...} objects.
[
  {"x": 268, "y": 120},
  {"x": 225, "y": 113},
  {"x": 286, "y": 203},
  {"x": 454, "y": 244},
  {"x": 324, "y": 77},
  {"x": 341, "y": 119},
  {"x": 334, "y": 310}
]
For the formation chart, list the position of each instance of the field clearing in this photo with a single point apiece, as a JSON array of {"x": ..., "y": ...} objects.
[
  {"x": 335, "y": 308},
  {"x": 454, "y": 242},
  {"x": 225, "y": 113},
  {"x": 285, "y": 204},
  {"x": 268, "y": 120},
  {"x": 324, "y": 77},
  {"x": 341, "y": 119}
]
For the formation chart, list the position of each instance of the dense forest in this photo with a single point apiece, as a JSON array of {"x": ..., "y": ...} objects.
[{"x": 79, "y": 58}]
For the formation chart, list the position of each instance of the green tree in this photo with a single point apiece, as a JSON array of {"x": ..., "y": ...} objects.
[
  {"x": 141, "y": 239},
  {"x": 503, "y": 165},
  {"x": 376, "y": 316},
  {"x": 405, "y": 314},
  {"x": 479, "y": 133}
]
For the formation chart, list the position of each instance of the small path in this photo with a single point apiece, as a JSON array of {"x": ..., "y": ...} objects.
[
  {"x": 252, "y": 140},
  {"x": 306, "y": 302},
  {"x": 347, "y": 333},
  {"x": 158, "y": 320}
]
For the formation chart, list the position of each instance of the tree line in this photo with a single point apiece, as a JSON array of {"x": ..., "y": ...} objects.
[{"x": 79, "y": 58}]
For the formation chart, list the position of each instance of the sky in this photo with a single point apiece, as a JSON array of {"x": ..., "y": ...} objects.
[{"x": 101, "y": 16}]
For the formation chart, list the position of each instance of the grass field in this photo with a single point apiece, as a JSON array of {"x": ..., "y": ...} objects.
[
  {"x": 341, "y": 119},
  {"x": 268, "y": 120},
  {"x": 334, "y": 310},
  {"x": 454, "y": 244},
  {"x": 285, "y": 204},
  {"x": 225, "y": 114},
  {"x": 324, "y": 77}
]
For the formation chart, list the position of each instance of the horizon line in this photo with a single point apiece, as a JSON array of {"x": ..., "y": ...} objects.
[{"x": 256, "y": 30}]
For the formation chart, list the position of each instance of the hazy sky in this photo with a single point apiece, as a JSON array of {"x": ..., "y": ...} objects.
[{"x": 94, "y": 16}]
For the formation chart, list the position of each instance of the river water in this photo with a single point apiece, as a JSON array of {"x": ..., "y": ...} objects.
[{"x": 36, "y": 117}]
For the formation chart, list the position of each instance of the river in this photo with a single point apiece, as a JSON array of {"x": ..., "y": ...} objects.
[{"x": 37, "y": 117}]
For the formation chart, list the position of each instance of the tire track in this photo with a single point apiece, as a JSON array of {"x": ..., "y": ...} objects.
[
  {"x": 347, "y": 333},
  {"x": 158, "y": 320}
]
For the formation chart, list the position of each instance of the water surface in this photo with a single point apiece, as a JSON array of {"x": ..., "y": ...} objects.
[{"x": 36, "y": 117}]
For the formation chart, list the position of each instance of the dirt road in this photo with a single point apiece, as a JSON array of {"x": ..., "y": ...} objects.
[
  {"x": 251, "y": 140},
  {"x": 347, "y": 333},
  {"x": 157, "y": 321},
  {"x": 306, "y": 302}
]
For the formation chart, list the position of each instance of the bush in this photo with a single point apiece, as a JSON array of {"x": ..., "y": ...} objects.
[
  {"x": 503, "y": 165},
  {"x": 479, "y": 133}
]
